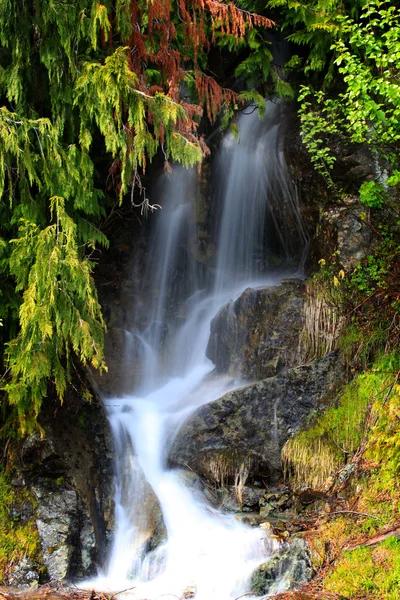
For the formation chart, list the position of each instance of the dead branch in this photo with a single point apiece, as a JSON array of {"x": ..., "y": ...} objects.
[{"x": 354, "y": 512}]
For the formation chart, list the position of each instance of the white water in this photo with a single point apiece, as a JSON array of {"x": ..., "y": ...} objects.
[{"x": 206, "y": 551}]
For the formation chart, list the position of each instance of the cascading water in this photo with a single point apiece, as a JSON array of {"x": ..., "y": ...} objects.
[{"x": 205, "y": 550}]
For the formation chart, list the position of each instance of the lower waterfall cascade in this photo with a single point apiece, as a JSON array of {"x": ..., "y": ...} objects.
[{"x": 207, "y": 552}]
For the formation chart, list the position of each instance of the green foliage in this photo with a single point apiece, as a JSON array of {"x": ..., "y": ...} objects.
[
  {"x": 370, "y": 275},
  {"x": 18, "y": 538},
  {"x": 357, "y": 309},
  {"x": 315, "y": 24},
  {"x": 371, "y": 571},
  {"x": 384, "y": 439},
  {"x": 367, "y": 56},
  {"x": 372, "y": 194},
  {"x": 320, "y": 120},
  {"x": 59, "y": 312},
  {"x": 105, "y": 92}
]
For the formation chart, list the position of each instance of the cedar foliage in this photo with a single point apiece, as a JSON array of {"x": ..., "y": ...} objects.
[{"x": 82, "y": 84}]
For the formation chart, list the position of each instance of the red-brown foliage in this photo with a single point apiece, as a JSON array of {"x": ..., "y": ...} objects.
[{"x": 153, "y": 44}]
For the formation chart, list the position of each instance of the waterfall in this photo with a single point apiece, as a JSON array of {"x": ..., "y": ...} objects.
[{"x": 206, "y": 551}]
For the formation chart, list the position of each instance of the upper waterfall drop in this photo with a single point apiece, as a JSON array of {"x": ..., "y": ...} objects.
[
  {"x": 255, "y": 198},
  {"x": 206, "y": 550}
]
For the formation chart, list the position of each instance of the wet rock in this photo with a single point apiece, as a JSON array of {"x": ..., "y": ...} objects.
[
  {"x": 346, "y": 472},
  {"x": 230, "y": 503},
  {"x": 285, "y": 570},
  {"x": 255, "y": 336},
  {"x": 251, "y": 496},
  {"x": 87, "y": 540},
  {"x": 275, "y": 501},
  {"x": 240, "y": 499},
  {"x": 41, "y": 451},
  {"x": 247, "y": 428},
  {"x": 24, "y": 575},
  {"x": 189, "y": 479},
  {"x": 121, "y": 353},
  {"x": 159, "y": 531},
  {"x": 360, "y": 164},
  {"x": 251, "y": 519}
]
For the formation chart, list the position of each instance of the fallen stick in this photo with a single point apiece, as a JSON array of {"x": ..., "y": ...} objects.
[
  {"x": 377, "y": 539},
  {"x": 354, "y": 512}
]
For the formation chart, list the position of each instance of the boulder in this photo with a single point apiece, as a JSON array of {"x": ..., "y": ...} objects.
[
  {"x": 257, "y": 335},
  {"x": 246, "y": 429},
  {"x": 284, "y": 571},
  {"x": 56, "y": 520},
  {"x": 240, "y": 499}
]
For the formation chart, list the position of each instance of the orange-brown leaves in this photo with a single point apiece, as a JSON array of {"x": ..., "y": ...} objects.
[
  {"x": 164, "y": 37},
  {"x": 153, "y": 40},
  {"x": 232, "y": 20},
  {"x": 213, "y": 96}
]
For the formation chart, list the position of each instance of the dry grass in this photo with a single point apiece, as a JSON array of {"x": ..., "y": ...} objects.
[
  {"x": 223, "y": 468},
  {"x": 322, "y": 322},
  {"x": 311, "y": 465},
  {"x": 53, "y": 592}
]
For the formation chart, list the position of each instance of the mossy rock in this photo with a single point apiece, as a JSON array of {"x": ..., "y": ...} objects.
[{"x": 285, "y": 570}]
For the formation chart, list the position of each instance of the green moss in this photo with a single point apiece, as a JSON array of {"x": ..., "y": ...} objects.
[
  {"x": 374, "y": 571},
  {"x": 364, "y": 413},
  {"x": 18, "y": 538}
]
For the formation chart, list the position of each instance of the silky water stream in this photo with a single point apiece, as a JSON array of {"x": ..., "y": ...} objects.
[{"x": 206, "y": 551}]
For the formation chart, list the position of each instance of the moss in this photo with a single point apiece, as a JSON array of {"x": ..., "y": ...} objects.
[
  {"x": 316, "y": 453},
  {"x": 18, "y": 537},
  {"x": 373, "y": 571},
  {"x": 366, "y": 418}
]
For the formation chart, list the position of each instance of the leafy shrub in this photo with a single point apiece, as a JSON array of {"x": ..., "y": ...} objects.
[{"x": 372, "y": 194}]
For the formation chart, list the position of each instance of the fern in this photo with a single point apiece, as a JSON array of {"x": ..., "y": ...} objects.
[{"x": 59, "y": 314}]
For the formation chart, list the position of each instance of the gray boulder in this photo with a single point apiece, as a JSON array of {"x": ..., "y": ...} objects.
[
  {"x": 285, "y": 570},
  {"x": 257, "y": 335},
  {"x": 69, "y": 472},
  {"x": 246, "y": 429}
]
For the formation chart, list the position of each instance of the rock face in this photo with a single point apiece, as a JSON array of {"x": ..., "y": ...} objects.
[
  {"x": 56, "y": 520},
  {"x": 351, "y": 235},
  {"x": 258, "y": 334},
  {"x": 69, "y": 472},
  {"x": 247, "y": 428}
]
